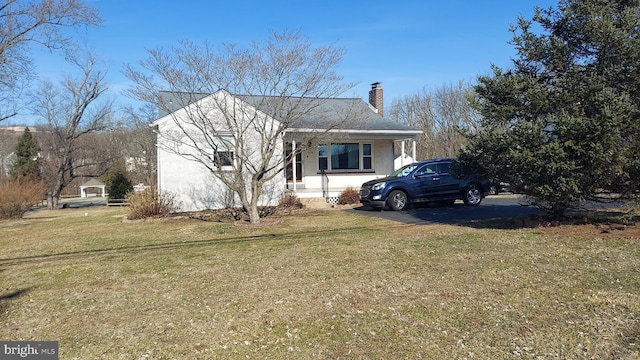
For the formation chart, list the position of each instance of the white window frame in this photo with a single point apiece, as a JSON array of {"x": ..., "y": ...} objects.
[
  {"x": 323, "y": 153},
  {"x": 365, "y": 156},
  {"x": 361, "y": 156},
  {"x": 226, "y": 141}
]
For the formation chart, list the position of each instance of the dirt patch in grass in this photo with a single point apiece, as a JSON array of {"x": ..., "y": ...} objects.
[
  {"x": 605, "y": 230},
  {"x": 262, "y": 223}
]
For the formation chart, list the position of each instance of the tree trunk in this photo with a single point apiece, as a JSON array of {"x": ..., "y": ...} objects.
[
  {"x": 53, "y": 196},
  {"x": 52, "y": 200},
  {"x": 254, "y": 214}
]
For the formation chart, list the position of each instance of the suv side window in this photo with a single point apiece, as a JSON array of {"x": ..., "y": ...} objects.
[
  {"x": 429, "y": 169},
  {"x": 443, "y": 168}
]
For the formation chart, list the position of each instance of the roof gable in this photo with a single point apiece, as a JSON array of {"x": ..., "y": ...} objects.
[{"x": 175, "y": 103}]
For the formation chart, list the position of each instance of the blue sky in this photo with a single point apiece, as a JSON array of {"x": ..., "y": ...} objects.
[{"x": 406, "y": 45}]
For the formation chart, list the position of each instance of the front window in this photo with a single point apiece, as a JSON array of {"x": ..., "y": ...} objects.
[
  {"x": 345, "y": 156},
  {"x": 323, "y": 161},
  {"x": 367, "y": 157}
]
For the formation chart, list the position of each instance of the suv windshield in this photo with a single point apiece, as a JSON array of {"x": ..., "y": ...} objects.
[{"x": 403, "y": 171}]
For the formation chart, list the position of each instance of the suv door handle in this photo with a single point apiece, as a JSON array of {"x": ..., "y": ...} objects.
[{"x": 435, "y": 178}]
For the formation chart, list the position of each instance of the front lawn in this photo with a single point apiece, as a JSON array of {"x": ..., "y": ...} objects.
[{"x": 319, "y": 285}]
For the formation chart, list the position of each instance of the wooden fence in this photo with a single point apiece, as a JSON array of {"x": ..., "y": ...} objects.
[{"x": 117, "y": 202}]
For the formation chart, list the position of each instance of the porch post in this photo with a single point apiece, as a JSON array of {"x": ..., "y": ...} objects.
[
  {"x": 402, "y": 153},
  {"x": 413, "y": 144},
  {"x": 293, "y": 166}
]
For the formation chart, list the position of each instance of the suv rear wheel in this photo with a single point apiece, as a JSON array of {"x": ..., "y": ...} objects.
[
  {"x": 397, "y": 200},
  {"x": 472, "y": 195}
]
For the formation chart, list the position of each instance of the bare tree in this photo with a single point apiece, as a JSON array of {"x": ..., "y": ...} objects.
[
  {"x": 140, "y": 143},
  {"x": 8, "y": 142},
  {"x": 24, "y": 22},
  {"x": 258, "y": 93},
  {"x": 439, "y": 114},
  {"x": 73, "y": 115},
  {"x": 417, "y": 110}
]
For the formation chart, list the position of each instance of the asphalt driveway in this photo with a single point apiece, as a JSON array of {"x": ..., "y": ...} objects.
[{"x": 497, "y": 206}]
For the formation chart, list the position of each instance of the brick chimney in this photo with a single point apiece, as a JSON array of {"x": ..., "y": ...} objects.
[{"x": 375, "y": 98}]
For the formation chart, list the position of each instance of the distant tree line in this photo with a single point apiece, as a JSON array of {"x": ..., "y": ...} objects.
[
  {"x": 127, "y": 142},
  {"x": 441, "y": 113}
]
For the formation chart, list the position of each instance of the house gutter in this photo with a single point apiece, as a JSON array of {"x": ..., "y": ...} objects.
[{"x": 381, "y": 133}]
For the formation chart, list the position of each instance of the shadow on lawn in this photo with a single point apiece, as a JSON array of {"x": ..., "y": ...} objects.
[
  {"x": 499, "y": 214},
  {"x": 495, "y": 213},
  {"x": 6, "y": 297},
  {"x": 14, "y": 294},
  {"x": 4, "y": 262}
]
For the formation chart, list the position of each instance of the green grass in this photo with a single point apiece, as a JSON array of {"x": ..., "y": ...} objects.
[{"x": 321, "y": 284}]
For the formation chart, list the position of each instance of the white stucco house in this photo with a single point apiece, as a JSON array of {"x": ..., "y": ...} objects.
[{"x": 340, "y": 143}]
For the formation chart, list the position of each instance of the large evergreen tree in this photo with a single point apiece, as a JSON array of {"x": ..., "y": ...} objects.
[
  {"x": 26, "y": 166},
  {"x": 565, "y": 117}
]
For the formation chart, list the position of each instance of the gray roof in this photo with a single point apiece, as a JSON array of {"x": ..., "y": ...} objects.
[
  {"x": 170, "y": 101},
  {"x": 93, "y": 182},
  {"x": 305, "y": 113},
  {"x": 325, "y": 113}
]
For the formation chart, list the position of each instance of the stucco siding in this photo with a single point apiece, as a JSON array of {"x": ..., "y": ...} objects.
[{"x": 193, "y": 182}]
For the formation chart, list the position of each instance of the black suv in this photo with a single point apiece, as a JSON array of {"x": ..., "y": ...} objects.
[{"x": 425, "y": 181}]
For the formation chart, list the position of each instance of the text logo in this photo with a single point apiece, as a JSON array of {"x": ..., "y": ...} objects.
[{"x": 33, "y": 350}]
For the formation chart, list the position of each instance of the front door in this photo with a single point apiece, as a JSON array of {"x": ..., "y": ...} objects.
[{"x": 289, "y": 167}]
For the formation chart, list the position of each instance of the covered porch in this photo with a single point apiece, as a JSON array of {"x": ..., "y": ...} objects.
[{"x": 325, "y": 169}]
